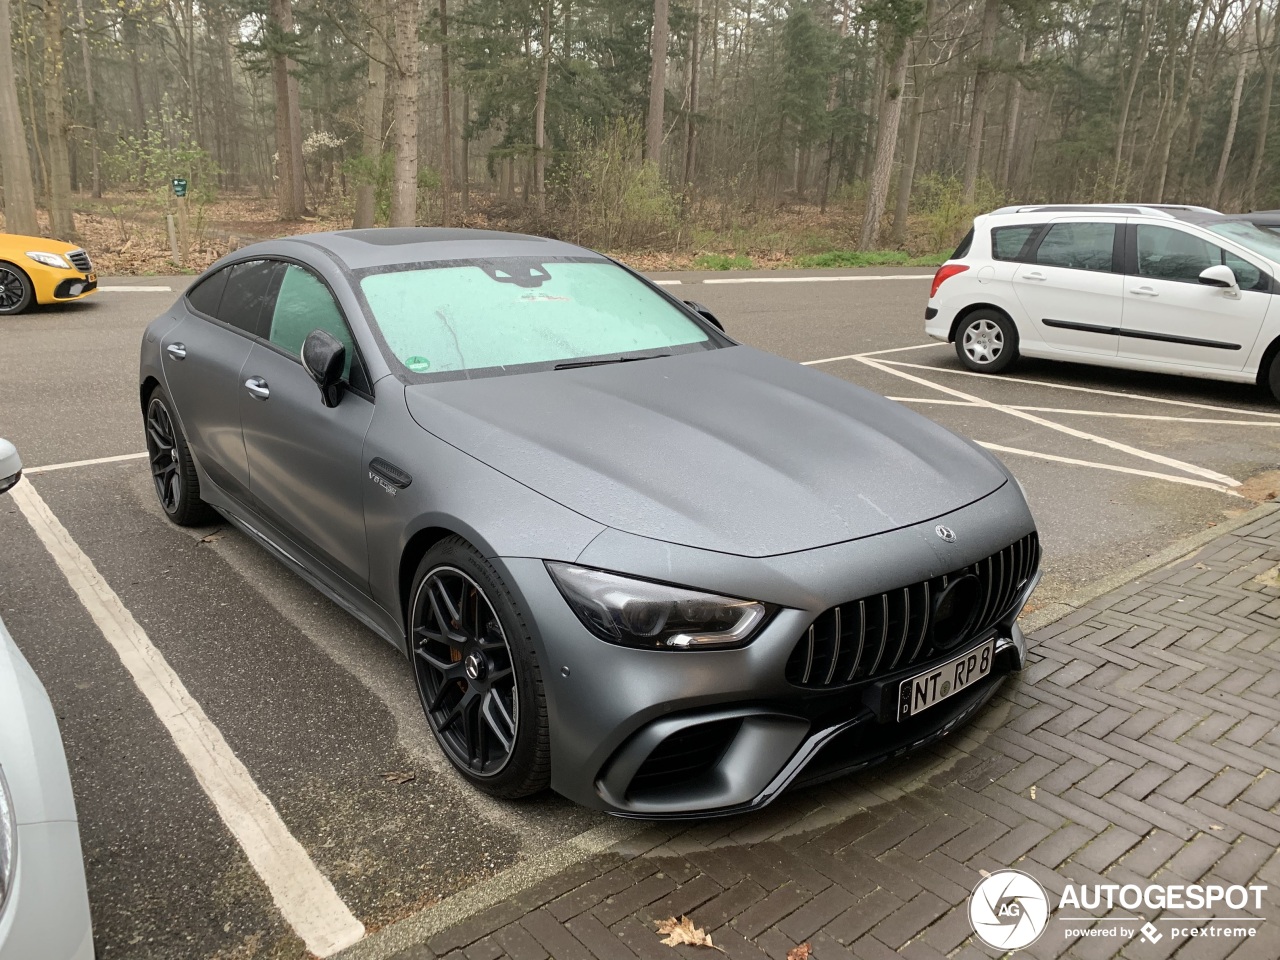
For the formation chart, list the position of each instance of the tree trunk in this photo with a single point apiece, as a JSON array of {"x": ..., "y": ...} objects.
[
  {"x": 657, "y": 82},
  {"x": 981, "y": 87},
  {"x": 691, "y": 126},
  {"x": 466, "y": 150},
  {"x": 372, "y": 109},
  {"x": 15, "y": 163},
  {"x": 61, "y": 221},
  {"x": 289, "y": 169},
  {"x": 1236, "y": 95},
  {"x": 1139, "y": 58},
  {"x": 90, "y": 100},
  {"x": 1011, "y": 128},
  {"x": 540, "y": 114},
  {"x": 886, "y": 143},
  {"x": 908, "y": 172},
  {"x": 404, "y": 188},
  {"x": 1264, "y": 121},
  {"x": 446, "y": 122},
  {"x": 1180, "y": 113}
]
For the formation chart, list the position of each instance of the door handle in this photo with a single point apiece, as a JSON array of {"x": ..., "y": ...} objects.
[
  {"x": 1034, "y": 275},
  {"x": 257, "y": 388},
  {"x": 177, "y": 350},
  {"x": 1144, "y": 292}
]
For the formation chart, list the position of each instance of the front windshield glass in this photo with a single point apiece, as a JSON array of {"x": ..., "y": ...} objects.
[
  {"x": 503, "y": 313},
  {"x": 1254, "y": 238}
]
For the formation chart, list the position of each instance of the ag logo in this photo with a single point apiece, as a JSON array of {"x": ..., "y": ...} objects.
[{"x": 1009, "y": 910}]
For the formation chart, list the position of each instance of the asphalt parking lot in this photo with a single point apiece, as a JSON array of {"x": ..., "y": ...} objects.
[{"x": 323, "y": 716}]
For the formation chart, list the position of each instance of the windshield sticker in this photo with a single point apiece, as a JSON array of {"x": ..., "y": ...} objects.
[{"x": 418, "y": 364}]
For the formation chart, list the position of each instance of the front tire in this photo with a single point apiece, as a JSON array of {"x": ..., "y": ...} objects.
[
  {"x": 16, "y": 292},
  {"x": 477, "y": 672},
  {"x": 1273, "y": 376},
  {"x": 172, "y": 470},
  {"x": 987, "y": 341}
]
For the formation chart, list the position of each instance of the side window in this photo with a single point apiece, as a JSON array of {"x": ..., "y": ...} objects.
[
  {"x": 305, "y": 304},
  {"x": 962, "y": 251},
  {"x": 207, "y": 295},
  {"x": 1168, "y": 254},
  {"x": 1078, "y": 246},
  {"x": 1007, "y": 243},
  {"x": 1247, "y": 275},
  {"x": 250, "y": 294}
]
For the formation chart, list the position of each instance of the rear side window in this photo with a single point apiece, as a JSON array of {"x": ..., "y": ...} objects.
[
  {"x": 1008, "y": 243},
  {"x": 207, "y": 295},
  {"x": 250, "y": 295},
  {"x": 1078, "y": 246},
  {"x": 962, "y": 251}
]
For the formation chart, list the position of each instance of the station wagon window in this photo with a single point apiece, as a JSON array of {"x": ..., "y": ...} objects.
[
  {"x": 1077, "y": 246},
  {"x": 250, "y": 293},
  {"x": 305, "y": 304},
  {"x": 1168, "y": 254},
  {"x": 1007, "y": 243}
]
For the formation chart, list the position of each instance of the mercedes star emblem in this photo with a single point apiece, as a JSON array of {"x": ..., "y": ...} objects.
[{"x": 945, "y": 533}]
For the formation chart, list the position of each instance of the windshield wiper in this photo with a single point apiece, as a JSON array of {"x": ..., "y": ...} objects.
[{"x": 598, "y": 363}]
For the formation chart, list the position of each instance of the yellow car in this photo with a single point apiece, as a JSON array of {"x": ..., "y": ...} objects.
[{"x": 37, "y": 270}]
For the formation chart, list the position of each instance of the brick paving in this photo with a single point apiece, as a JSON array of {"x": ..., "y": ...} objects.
[{"x": 1140, "y": 745}]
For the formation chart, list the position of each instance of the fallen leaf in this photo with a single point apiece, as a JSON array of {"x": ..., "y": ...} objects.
[
  {"x": 682, "y": 931},
  {"x": 801, "y": 952},
  {"x": 399, "y": 776},
  {"x": 212, "y": 538},
  {"x": 1214, "y": 826},
  {"x": 1033, "y": 791}
]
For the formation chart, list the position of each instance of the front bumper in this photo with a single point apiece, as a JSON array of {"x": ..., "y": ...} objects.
[
  {"x": 53, "y": 285},
  {"x": 47, "y": 914},
  {"x": 730, "y": 731}
]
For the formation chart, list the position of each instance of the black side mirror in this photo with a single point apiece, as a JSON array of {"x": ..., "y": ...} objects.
[
  {"x": 324, "y": 358},
  {"x": 705, "y": 314}
]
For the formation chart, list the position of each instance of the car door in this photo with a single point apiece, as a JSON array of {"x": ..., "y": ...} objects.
[
  {"x": 1170, "y": 317},
  {"x": 1068, "y": 281},
  {"x": 202, "y": 356},
  {"x": 304, "y": 457}
]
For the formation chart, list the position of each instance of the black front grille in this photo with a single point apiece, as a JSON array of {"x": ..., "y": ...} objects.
[
  {"x": 872, "y": 637},
  {"x": 684, "y": 756},
  {"x": 80, "y": 260}
]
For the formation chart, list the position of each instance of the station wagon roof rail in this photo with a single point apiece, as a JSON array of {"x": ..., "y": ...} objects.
[{"x": 1166, "y": 210}]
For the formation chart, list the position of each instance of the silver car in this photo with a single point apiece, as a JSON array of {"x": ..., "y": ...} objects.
[{"x": 44, "y": 902}]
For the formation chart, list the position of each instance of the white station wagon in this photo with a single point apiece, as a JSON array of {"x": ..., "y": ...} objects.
[{"x": 1170, "y": 289}]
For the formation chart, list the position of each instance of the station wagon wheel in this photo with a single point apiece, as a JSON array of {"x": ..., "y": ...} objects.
[
  {"x": 172, "y": 472},
  {"x": 986, "y": 341},
  {"x": 16, "y": 292},
  {"x": 476, "y": 673}
]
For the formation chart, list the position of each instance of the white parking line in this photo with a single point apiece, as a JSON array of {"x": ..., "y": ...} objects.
[
  {"x": 872, "y": 353},
  {"x": 1094, "y": 413},
  {"x": 83, "y": 463},
  {"x": 1191, "y": 468},
  {"x": 303, "y": 894},
  {"x": 1068, "y": 386},
  {"x": 130, "y": 289},
  {"x": 668, "y": 283},
  {"x": 1108, "y": 466},
  {"x": 892, "y": 276}
]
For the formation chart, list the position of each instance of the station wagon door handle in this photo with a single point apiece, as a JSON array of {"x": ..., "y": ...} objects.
[
  {"x": 1035, "y": 275},
  {"x": 258, "y": 388},
  {"x": 1144, "y": 292},
  {"x": 177, "y": 350}
]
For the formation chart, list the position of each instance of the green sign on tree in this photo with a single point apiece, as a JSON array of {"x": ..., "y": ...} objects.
[{"x": 179, "y": 187}]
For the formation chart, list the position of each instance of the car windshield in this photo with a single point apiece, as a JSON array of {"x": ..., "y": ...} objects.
[
  {"x": 494, "y": 315},
  {"x": 1254, "y": 238}
]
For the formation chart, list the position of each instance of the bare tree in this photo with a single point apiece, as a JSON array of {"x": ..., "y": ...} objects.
[
  {"x": 886, "y": 142},
  {"x": 691, "y": 126},
  {"x": 657, "y": 82},
  {"x": 1149, "y": 9},
  {"x": 981, "y": 87},
  {"x": 15, "y": 164},
  {"x": 1180, "y": 112},
  {"x": 1242, "y": 67},
  {"x": 90, "y": 100},
  {"x": 446, "y": 122},
  {"x": 289, "y": 169},
  {"x": 404, "y": 187},
  {"x": 540, "y": 113},
  {"x": 61, "y": 220},
  {"x": 1264, "y": 108}
]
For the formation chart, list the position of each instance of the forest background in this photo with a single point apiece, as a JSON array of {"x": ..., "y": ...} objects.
[{"x": 673, "y": 133}]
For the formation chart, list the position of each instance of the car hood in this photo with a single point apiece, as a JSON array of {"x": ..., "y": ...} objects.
[{"x": 731, "y": 450}]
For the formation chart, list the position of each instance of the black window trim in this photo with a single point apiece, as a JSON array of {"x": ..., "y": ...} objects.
[{"x": 357, "y": 359}]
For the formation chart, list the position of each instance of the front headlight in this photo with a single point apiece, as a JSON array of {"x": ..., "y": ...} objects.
[
  {"x": 655, "y": 616},
  {"x": 8, "y": 842},
  {"x": 48, "y": 259}
]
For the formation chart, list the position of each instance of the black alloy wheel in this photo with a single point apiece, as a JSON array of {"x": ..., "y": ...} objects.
[
  {"x": 16, "y": 292},
  {"x": 465, "y": 672},
  {"x": 174, "y": 476}
]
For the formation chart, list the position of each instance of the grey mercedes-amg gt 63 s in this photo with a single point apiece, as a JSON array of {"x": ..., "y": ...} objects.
[{"x": 662, "y": 573}]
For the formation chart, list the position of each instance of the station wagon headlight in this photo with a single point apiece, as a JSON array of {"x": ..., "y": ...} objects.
[
  {"x": 8, "y": 842},
  {"x": 655, "y": 616},
  {"x": 49, "y": 259}
]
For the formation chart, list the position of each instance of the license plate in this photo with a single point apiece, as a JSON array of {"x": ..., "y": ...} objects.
[{"x": 919, "y": 693}]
